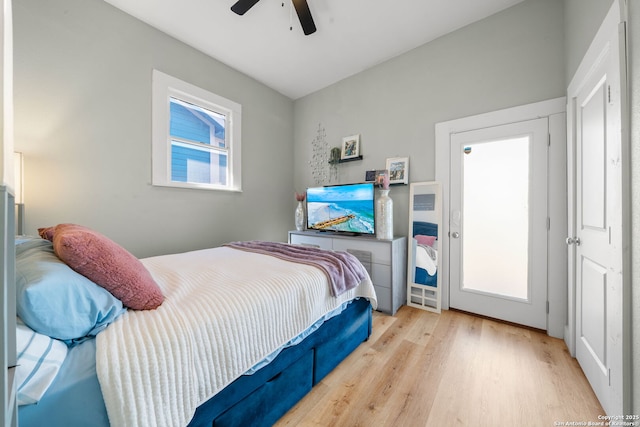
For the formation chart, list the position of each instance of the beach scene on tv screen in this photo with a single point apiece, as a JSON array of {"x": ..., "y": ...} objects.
[{"x": 347, "y": 208}]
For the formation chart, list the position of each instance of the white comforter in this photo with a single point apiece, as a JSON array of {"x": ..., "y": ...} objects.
[{"x": 225, "y": 310}]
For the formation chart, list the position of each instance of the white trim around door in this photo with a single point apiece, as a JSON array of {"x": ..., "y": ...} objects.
[{"x": 554, "y": 110}]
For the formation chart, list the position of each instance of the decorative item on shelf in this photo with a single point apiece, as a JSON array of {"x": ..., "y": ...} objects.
[
  {"x": 374, "y": 175},
  {"x": 300, "y": 211},
  {"x": 384, "y": 210},
  {"x": 398, "y": 168},
  {"x": 319, "y": 157},
  {"x": 334, "y": 159},
  {"x": 350, "y": 149},
  {"x": 334, "y": 156}
]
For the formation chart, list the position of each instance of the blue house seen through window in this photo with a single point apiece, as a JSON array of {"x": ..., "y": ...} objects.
[{"x": 198, "y": 147}]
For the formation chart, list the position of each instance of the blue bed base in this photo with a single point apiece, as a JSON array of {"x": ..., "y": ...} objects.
[
  {"x": 251, "y": 400},
  {"x": 264, "y": 397}
]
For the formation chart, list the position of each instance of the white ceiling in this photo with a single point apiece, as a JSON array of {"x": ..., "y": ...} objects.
[{"x": 352, "y": 35}]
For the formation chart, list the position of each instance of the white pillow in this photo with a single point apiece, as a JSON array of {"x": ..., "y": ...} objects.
[{"x": 39, "y": 360}]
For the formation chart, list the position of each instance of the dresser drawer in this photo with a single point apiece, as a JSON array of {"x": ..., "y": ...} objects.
[
  {"x": 313, "y": 241},
  {"x": 381, "y": 275},
  {"x": 380, "y": 251}
]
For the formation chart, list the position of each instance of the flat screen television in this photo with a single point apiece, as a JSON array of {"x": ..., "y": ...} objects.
[{"x": 347, "y": 208}]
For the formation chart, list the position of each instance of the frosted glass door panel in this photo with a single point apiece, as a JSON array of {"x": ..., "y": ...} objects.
[{"x": 495, "y": 223}]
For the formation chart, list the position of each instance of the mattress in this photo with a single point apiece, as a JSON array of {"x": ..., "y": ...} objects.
[{"x": 78, "y": 378}]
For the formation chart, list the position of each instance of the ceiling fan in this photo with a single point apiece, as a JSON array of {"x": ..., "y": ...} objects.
[{"x": 301, "y": 6}]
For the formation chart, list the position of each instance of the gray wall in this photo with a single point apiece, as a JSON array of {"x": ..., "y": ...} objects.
[
  {"x": 514, "y": 57},
  {"x": 582, "y": 18},
  {"x": 83, "y": 120}
]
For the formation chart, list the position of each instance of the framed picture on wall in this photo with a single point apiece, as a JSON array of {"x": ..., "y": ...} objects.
[
  {"x": 375, "y": 176},
  {"x": 398, "y": 168},
  {"x": 350, "y": 147}
]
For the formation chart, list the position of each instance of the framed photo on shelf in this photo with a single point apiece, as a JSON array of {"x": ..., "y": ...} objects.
[
  {"x": 350, "y": 147},
  {"x": 398, "y": 168},
  {"x": 375, "y": 176}
]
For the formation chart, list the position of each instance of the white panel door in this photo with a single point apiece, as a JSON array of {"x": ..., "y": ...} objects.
[
  {"x": 498, "y": 223},
  {"x": 596, "y": 246}
]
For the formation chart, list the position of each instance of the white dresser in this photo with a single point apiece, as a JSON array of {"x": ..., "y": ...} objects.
[{"x": 385, "y": 260}]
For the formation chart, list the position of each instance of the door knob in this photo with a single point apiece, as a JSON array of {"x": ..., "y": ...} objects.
[
  {"x": 455, "y": 234},
  {"x": 573, "y": 241}
]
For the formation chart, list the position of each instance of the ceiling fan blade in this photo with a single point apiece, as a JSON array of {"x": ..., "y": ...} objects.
[
  {"x": 304, "y": 14},
  {"x": 242, "y": 6}
]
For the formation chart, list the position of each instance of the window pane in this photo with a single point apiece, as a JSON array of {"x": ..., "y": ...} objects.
[
  {"x": 194, "y": 123},
  {"x": 495, "y": 245},
  {"x": 197, "y": 165}
]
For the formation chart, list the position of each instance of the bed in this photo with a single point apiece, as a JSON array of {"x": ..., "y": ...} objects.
[{"x": 242, "y": 333}]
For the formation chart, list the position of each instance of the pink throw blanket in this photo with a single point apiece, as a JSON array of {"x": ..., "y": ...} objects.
[{"x": 343, "y": 269}]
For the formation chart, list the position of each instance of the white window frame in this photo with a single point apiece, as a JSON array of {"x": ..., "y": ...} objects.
[{"x": 165, "y": 87}]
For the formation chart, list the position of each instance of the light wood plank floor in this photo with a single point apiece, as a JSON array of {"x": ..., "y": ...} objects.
[{"x": 454, "y": 369}]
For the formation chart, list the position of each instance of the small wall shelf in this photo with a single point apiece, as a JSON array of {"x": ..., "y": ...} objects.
[{"x": 350, "y": 159}]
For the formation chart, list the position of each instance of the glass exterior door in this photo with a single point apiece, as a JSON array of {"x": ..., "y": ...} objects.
[{"x": 498, "y": 224}]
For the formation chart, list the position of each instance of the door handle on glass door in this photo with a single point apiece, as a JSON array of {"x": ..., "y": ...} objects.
[{"x": 455, "y": 234}]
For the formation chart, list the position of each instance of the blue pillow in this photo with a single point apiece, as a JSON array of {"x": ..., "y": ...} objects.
[{"x": 54, "y": 300}]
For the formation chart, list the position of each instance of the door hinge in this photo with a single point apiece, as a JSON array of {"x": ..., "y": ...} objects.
[
  {"x": 548, "y": 223},
  {"x": 547, "y": 307},
  {"x": 609, "y": 94},
  {"x": 548, "y": 139}
]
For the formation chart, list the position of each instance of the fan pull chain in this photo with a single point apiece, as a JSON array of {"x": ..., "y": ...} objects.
[
  {"x": 290, "y": 14},
  {"x": 290, "y": 18}
]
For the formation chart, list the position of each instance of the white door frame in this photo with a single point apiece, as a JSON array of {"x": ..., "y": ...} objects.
[
  {"x": 554, "y": 109},
  {"x": 614, "y": 21}
]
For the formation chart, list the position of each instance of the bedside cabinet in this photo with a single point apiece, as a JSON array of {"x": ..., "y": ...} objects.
[{"x": 384, "y": 260}]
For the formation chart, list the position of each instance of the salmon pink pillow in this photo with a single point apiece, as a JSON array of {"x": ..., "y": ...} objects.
[{"x": 106, "y": 263}]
